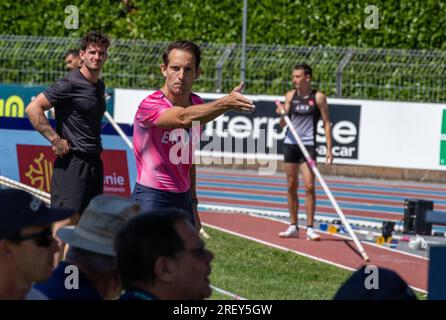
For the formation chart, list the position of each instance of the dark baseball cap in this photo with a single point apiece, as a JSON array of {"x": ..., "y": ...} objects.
[
  {"x": 19, "y": 209},
  {"x": 390, "y": 287}
]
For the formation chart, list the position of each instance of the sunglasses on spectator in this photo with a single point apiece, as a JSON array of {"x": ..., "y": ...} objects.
[{"x": 42, "y": 239}]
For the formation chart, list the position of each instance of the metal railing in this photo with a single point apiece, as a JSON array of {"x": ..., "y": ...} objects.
[{"x": 408, "y": 75}]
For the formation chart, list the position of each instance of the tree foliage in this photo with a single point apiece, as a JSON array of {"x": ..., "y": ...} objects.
[{"x": 404, "y": 24}]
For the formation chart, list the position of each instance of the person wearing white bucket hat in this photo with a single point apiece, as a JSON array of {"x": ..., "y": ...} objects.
[{"x": 89, "y": 270}]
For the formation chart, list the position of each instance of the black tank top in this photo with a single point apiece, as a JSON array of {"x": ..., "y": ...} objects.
[{"x": 304, "y": 114}]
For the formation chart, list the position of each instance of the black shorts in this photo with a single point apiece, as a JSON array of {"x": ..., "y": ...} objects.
[
  {"x": 293, "y": 154},
  {"x": 77, "y": 178}
]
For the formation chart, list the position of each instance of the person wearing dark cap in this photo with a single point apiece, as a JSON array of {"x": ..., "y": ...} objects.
[
  {"x": 160, "y": 256},
  {"x": 389, "y": 286},
  {"x": 27, "y": 246},
  {"x": 89, "y": 271}
]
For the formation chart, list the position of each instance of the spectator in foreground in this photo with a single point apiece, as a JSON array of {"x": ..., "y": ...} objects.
[
  {"x": 90, "y": 264},
  {"x": 161, "y": 256},
  {"x": 27, "y": 246}
]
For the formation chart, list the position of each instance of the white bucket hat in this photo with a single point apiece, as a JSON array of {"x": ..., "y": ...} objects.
[{"x": 99, "y": 224}]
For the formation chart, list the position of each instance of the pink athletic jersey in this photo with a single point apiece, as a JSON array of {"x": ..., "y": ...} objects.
[{"x": 163, "y": 156}]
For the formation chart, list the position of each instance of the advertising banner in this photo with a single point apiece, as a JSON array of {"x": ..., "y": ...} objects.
[
  {"x": 345, "y": 124},
  {"x": 25, "y": 156},
  {"x": 15, "y": 98},
  {"x": 36, "y": 169}
]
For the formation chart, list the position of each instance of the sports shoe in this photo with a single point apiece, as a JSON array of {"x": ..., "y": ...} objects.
[
  {"x": 311, "y": 235},
  {"x": 291, "y": 232}
]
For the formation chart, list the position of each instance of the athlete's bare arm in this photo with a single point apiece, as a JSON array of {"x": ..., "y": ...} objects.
[
  {"x": 180, "y": 117},
  {"x": 321, "y": 101},
  {"x": 286, "y": 107}
]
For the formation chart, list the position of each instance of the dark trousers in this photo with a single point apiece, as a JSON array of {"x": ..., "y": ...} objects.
[{"x": 152, "y": 200}]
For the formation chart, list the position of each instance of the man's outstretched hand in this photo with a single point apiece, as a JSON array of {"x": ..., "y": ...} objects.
[{"x": 236, "y": 101}]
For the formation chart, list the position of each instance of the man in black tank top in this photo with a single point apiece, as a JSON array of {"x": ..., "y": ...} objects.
[{"x": 304, "y": 106}]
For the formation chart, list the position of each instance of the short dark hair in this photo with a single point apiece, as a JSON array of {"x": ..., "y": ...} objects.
[
  {"x": 74, "y": 52},
  {"x": 185, "y": 46},
  {"x": 100, "y": 263},
  {"x": 94, "y": 37},
  {"x": 143, "y": 240},
  {"x": 305, "y": 67}
]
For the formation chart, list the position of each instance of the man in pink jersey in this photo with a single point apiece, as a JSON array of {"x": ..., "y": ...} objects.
[{"x": 166, "y": 128}]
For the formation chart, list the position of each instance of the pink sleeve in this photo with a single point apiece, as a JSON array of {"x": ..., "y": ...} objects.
[
  {"x": 149, "y": 111},
  {"x": 196, "y": 99}
]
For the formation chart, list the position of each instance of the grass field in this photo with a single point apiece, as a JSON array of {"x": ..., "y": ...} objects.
[{"x": 255, "y": 271}]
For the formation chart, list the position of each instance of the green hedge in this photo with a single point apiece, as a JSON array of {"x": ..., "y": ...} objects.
[
  {"x": 324, "y": 30},
  {"x": 404, "y": 24}
]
